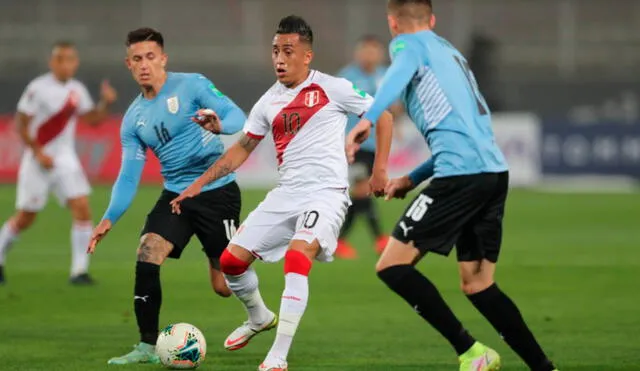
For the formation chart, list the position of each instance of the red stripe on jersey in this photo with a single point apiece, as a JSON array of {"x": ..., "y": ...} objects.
[
  {"x": 254, "y": 136},
  {"x": 295, "y": 115},
  {"x": 56, "y": 123}
]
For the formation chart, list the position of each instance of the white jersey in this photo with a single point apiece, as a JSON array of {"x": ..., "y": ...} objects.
[
  {"x": 308, "y": 127},
  {"x": 54, "y": 107}
]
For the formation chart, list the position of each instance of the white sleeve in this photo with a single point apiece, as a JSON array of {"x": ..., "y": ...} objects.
[
  {"x": 85, "y": 103},
  {"x": 257, "y": 125},
  {"x": 349, "y": 98},
  {"x": 28, "y": 103}
]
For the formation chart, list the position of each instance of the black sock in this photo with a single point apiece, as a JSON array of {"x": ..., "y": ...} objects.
[
  {"x": 147, "y": 300},
  {"x": 505, "y": 317},
  {"x": 371, "y": 212},
  {"x": 425, "y": 299}
]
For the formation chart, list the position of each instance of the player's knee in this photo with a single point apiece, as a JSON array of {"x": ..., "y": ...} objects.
[
  {"x": 153, "y": 249},
  {"x": 297, "y": 262},
  {"x": 384, "y": 264},
  {"x": 23, "y": 220},
  {"x": 475, "y": 285},
  {"x": 381, "y": 265},
  {"x": 80, "y": 209},
  {"x": 231, "y": 265}
]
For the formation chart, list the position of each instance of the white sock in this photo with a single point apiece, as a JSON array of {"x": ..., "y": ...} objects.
[
  {"x": 245, "y": 287},
  {"x": 80, "y": 237},
  {"x": 8, "y": 234},
  {"x": 292, "y": 307}
]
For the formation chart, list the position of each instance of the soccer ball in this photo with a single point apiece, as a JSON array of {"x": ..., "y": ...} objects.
[{"x": 181, "y": 346}]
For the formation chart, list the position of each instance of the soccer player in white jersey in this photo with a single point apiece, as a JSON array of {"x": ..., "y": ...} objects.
[
  {"x": 46, "y": 119},
  {"x": 299, "y": 220}
]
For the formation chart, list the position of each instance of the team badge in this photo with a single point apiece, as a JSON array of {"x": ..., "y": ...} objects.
[
  {"x": 311, "y": 98},
  {"x": 173, "y": 105}
]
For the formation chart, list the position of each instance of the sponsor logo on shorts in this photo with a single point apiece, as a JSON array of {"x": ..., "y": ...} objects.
[
  {"x": 405, "y": 228},
  {"x": 143, "y": 298}
]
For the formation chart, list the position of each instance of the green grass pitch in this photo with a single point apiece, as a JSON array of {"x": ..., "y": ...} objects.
[{"x": 571, "y": 262}]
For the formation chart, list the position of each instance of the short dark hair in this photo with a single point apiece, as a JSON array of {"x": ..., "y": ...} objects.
[
  {"x": 63, "y": 44},
  {"x": 416, "y": 9},
  {"x": 369, "y": 39},
  {"x": 144, "y": 34},
  {"x": 297, "y": 25}
]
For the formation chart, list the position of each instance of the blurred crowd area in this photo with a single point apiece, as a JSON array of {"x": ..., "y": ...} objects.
[{"x": 557, "y": 58}]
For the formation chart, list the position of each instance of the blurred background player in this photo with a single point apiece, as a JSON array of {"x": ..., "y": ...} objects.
[
  {"x": 298, "y": 221},
  {"x": 366, "y": 72},
  {"x": 464, "y": 203},
  {"x": 47, "y": 115},
  {"x": 160, "y": 119}
]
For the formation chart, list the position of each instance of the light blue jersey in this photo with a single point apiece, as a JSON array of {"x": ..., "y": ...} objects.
[
  {"x": 442, "y": 98},
  {"x": 163, "y": 125},
  {"x": 367, "y": 82}
]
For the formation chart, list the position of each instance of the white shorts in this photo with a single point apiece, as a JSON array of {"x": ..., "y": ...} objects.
[
  {"x": 284, "y": 216},
  {"x": 66, "y": 180}
]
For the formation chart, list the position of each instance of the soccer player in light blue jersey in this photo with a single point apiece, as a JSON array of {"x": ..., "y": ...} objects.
[
  {"x": 160, "y": 119},
  {"x": 464, "y": 203},
  {"x": 366, "y": 72}
]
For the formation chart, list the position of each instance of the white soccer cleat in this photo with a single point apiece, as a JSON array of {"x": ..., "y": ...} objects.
[
  {"x": 240, "y": 337},
  {"x": 276, "y": 366}
]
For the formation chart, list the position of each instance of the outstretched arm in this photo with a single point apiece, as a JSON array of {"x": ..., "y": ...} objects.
[
  {"x": 399, "y": 187},
  {"x": 232, "y": 159},
  {"x": 384, "y": 135},
  {"x": 122, "y": 194},
  {"x": 124, "y": 189},
  {"x": 405, "y": 64},
  {"x": 227, "y": 117},
  {"x": 423, "y": 172}
]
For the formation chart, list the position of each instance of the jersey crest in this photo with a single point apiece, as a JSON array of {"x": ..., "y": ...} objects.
[
  {"x": 173, "y": 105},
  {"x": 311, "y": 98}
]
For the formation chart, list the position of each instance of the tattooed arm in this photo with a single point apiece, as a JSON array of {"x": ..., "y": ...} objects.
[
  {"x": 230, "y": 160},
  {"x": 226, "y": 164}
]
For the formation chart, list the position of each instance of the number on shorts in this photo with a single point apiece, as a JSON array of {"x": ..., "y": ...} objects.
[
  {"x": 310, "y": 219},
  {"x": 229, "y": 228},
  {"x": 419, "y": 207}
]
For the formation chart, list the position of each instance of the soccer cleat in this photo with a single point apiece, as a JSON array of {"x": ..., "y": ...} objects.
[
  {"x": 82, "y": 279},
  {"x": 345, "y": 250},
  {"x": 2, "y": 275},
  {"x": 240, "y": 337},
  {"x": 268, "y": 366},
  {"x": 381, "y": 243},
  {"x": 480, "y": 358},
  {"x": 141, "y": 353}
]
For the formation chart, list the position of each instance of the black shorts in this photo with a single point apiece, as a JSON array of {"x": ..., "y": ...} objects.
[
  {"x": 362, "y": 166},
  {"x": 465, "y": 211},
  {"x": 212, "y": 216}
]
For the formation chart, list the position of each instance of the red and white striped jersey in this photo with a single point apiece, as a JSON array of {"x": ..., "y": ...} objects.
[
  {"x": 308, "y": 128},
  {"x": 55, "y": 107}
]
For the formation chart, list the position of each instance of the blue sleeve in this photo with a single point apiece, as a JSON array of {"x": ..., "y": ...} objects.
[
  {"x": 406, "y": 62},
  {"x": 125, "y": 187},
  {"x": 231, "y": 116},
  {"x": 422, "y": 172}
]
